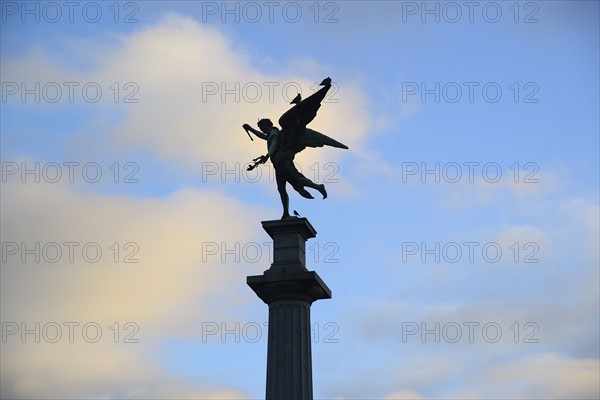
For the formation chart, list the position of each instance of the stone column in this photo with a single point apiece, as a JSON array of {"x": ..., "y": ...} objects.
[{"x": 289, "y": 289}]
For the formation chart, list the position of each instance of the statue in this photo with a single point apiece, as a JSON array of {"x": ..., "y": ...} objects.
[{"x": 294, "y": 136}]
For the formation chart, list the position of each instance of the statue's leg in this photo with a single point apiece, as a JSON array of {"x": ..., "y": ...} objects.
[
  {"x": 303, "y": 192},
  {"x": 317, "y": 186},
  {"x": 304, "y": 181},
  {"x": 285, "y": 199},
  {"x": 298, "y": 185},
  {"x": 297, "y": 180}
]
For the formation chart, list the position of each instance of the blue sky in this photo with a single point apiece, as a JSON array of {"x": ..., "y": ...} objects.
[{"x": 173, "y": 196}]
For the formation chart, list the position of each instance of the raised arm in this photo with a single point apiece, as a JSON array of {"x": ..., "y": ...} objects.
[{"x": 258, "y": 133}]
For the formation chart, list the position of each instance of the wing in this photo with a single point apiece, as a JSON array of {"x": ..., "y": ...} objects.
[
  {"x": 313, "y": 138},
  {"x": 294, "y": 120}
]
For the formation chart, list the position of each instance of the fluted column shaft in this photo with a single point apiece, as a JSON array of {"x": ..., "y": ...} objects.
[{"x": 289, "y": 364}]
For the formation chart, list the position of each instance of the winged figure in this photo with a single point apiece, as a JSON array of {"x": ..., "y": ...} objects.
[{"x": 293, "y": 137}]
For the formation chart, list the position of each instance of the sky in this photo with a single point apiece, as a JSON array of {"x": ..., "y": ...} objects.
[{"x": 460, "y": 237}]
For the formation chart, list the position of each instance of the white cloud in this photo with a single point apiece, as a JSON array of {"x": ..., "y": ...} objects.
[
  {"x": 164, "y": 295},
  {"x": 548, "y": 312},
  {"x": 545, "y": 376},
  {"x": 177, "y": 66},
  {"x": 403, "y": 395}
]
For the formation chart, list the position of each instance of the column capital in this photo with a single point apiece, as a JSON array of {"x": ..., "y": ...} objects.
[{"x": 307, "y": 286}]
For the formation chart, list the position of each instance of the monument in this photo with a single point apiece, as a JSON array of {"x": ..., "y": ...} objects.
[{"x": 288, "y": 287}]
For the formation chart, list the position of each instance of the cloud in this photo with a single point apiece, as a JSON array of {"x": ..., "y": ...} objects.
[
  {"x": 545, "y": 376},
  {"x": 166, "y": 294},
  {"x": 403, "y": 395},
  {"x": 547, "y": 312},
  {"x": 179, "y": 123},
  {"x": 172, "y": 286},
  {"x": 195, "y": 89}
]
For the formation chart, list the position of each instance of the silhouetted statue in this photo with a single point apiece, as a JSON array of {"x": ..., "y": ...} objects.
[{"x": 294, "y": 136}]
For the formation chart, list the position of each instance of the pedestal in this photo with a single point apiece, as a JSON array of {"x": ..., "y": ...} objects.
[{"x": 289, "y": 289}]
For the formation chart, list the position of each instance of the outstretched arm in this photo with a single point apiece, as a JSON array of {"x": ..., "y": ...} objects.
[{"x": 258, "y": 133}]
